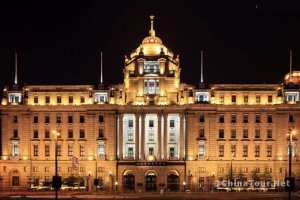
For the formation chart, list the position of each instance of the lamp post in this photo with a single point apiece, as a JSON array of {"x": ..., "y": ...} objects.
[
  {"x": 290, "y": 160},
  {"x": 116, "y": 184},
  {"x": 184, "y": 183},
  {"x": 57, "y": 134}
]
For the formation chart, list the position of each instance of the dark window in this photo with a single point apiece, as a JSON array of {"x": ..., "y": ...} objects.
[
  {"x": 291, "y": 118},
  {"x": 151, "y": 123},
  {"x": 151, "y": 150},
  {"x": 245, "y": 133},
  {"x": 15, "y": 119},
  {"x": 82, "y": 99},
  {"x": 70, "y": 119},
  {"x": 35, "y": 99},
  {"x": 15, "y": 181},
  {"x": 101, "y": 119},
  {"x": 70, "y": 133},
  {"x": 81, "y": 150},
  {"x": 221, "y": 151},
  {"x": 47, "y": 134},
  {"x": 172, "y": 123},
  {"x": 58, "y": 150},
  {"x": 47, "y": 119},
  {"x": 245, "y": 150},
  {"x": 58, "y": 99},
  {"x": 35, "y": 150},
  {"x": 201, "y": 118},
  {"x": 233, "y": 118},
  {"x": 257, "y": 118},
  {"x": 233, "y": 98},
  {"x": 130, "y": 152},
  {"x": 35, "y": 134},
  {"x": 130, "y": 123},
  {"x": 81, "y": 119},
  {"x": 246, "y": 99},
  {"x": 269, "y": 150},
  {"x": 47, "y": 99},
  {"x": 70, "y": 99},
  {"x": 221, "y": 133},
  {"x": 257, "y": 98},
  {"x": 257, "y": 150},
  {"x": 81, "y": 133},
  {"x": 269, "y": 133},
  {"x": 245, "y": 119},
  {"x": 270, "y": 99},
  {"x": 201, "y": 133},
  {"x": 257, "y": 133},
  {"x": 35, "y": 119},
  {"x": 16, "y": 133},
  {"x": 47, "y": 150},
  {"x": 58, "y": 119},
  {"x": 221, "y": 119},
  {"x": 172, "y": 152},
  {"x": 101, "y": 133},
  {"x": 233, "y": 133},
  {"x": 270, "y": 119}
]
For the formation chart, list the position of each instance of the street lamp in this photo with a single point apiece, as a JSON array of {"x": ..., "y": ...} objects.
[
  {"x": 116, "y": 184},
  {"x": 184, "y": 183},
  {"x": 57, "y": 134},
  {"x": 293, "y": 132}
]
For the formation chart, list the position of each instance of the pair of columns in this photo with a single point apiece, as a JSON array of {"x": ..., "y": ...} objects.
[{"x": 162, "y": 149}]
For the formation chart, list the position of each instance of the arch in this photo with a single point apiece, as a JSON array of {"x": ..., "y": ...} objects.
[
  {"x": 150, "y": 179},
  {"x": 128, "y": 181},
  {"x": 173, "y": 183},
  {"x": 14, "y": 178}
]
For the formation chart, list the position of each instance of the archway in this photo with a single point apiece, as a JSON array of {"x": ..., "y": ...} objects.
[
  {"x": 14, "y": 177},
  {"x": 173, "y": 183},
  {"x": 128, "y": 181},
  {"x": 150, "y": 180}
]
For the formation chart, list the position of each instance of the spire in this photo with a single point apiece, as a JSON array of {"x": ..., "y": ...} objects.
[
  {"x": 291, "y": 64},
  {"x": 201, "y": 81},
  {"x": 152, "y": 31},
  {"x": 101, "y": 76},
  {"x": 16, "y": 68}
]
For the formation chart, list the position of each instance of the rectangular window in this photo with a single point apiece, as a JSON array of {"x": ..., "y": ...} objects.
[
  {"x": 82, "y": 99},
  {"x": 15, "y": 180},
  {"x": 47, "y": 134},
  {"x": 15, "y": 133},
  {"x": 269, "y": 150},
  {"x": 270, "y": 119},
  {"x": 58, "y": 99},
  {"x": 47, "y": 119},
  {"x": 35, "y": 169},
  {"x": 151, "y": 136},
  {"x": 81, "y": 134},
  {"x": 35, "y": 134},
  {"x": 257, "y": 118},
  {"x": 47, "y": 99},
  {"x": 222, "y": 98},
  {"x": 35, "y": 150},
  {"x": 221, "y": 133},
  {"x": 58, "y": 119},
  {"x": 130, "y": 136},
  {"x": 233, "y": 98},
  {"x": 35, "y": 119},
  {"x": 270, "y": 98},
  {"x": 172, "y": 137},
  {"x": 201, "y": 119},
  {"x": 245, "y": 133},
  {"x": 58, "y": 150},
  {"x": 201, "y": 150},
  {"x": 101, "y": 119},
  {"x": 15, "y": 119},
  {"x": 70, "y": 134},
  {"x": 245, "y": 119},
  {"x": 221, "y": 119},
  {"x": 233, "y": 133},
  {"x": 233, "y": 118},
  {"x": 172, "y": 123},
  {"x": 269, "y": 134},
  {"x": 151, "y": 151},
  {"x": 47, "y": 169},
  {"x": 100, "y": 133},
  {"x": 172, "y": 152},
  {"x": 257, "y": 169},
  {"x": 15, "y": 149},
  {"x": 151, "y": 123},
  {"x": 202, "y": 169},
  {"x": 81, "y": 150},
  {"x": 130, "y": 123},
  {"x": 233, "y": 150},
  {"x": 70, "y": 119},
  {"x": 47, "y": 150},
  {"x": 35, "y": 99},
  {"x": 70, "y": 99},
  {"x": 201, "y": 133},
  {"x": 257, "y": 133},
  {"x": 130, "y": 152},
  {"x": 101, "y": 169},
  {"x": 100, "y": 150},
  {"x": 221, "y": 150},
  {"x": 291, "y": 118},
  {"x": 245, "y": 150},
  {"x": 245, "y": 170},
  {"x": 245, "y": 98},
  {"x": 257, "y": 98},
  {"x": 81, "y": 119},
  {"x": 220, "y": 169},
  {"x": 70, "y": 151},
  {"x": 257, "y": 150}
]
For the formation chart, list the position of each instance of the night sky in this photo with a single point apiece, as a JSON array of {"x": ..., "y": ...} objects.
[{"x": 59, "y": 42}]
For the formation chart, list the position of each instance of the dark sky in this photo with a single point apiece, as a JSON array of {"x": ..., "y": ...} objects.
[{"x": 59, "y": 42}]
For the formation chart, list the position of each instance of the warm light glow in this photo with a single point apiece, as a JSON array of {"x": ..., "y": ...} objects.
[
  {"x": 90, "y": 157},
  {"x": 116, "y": 183},
  {"x": 25, "y": 157},
  {"x": 184, "y": 183},
  {"x": 4, "y": 157}
]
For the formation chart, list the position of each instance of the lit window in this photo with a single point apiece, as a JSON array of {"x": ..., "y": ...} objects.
[
  {"x": 222, "y": 98},
  {"x": 130, "y": 136},
  {"x": 201, "y": 96},
  {"x": 100, "y": 150},
  {"x": 257, "y": 98},
  {"x": 15, "y": 150},
  {"x": 245, "y": 98},
  {"x": 201, "y": 150},
  {"x": 14, "y": 97},
  {"x": 270, "y": 98},
  {"x": 101, "y": 97},
  {"x": 35, "y": 99},
  {"x": 130, "y": 152},
  {"x": 151, "y": 136},
  {"x": 151, "y": 67},
  {"x": 292, "y": 96}
]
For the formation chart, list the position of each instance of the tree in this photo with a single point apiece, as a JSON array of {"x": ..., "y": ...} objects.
[
  {"x": 70, "y": 181},
  {"x": 255, "y": 176}
]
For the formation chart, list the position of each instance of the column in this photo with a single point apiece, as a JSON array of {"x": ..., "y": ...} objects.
[
  {"x": 143, "y": 138},
  {"x": 137, "y": 139},
  {"x": 166, "y": 137},
  {"x": 121, "y": 136},
  {"x": 181, "y": 152},
  {"x": 159, "y": 136}
]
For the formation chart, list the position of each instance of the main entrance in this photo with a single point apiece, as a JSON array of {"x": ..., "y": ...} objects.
[
  {"x": 151, "y": 180},
  {"x": 128, "y": 181},
  {"x": 173, "y": 181}
]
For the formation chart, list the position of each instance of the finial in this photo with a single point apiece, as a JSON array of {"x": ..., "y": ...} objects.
[
  {"x": 16, "y": 68},
  {"x": 152, "y": 32}
]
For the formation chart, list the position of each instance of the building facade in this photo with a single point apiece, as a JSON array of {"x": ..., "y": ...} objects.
[{"x": 151, "y": 132}]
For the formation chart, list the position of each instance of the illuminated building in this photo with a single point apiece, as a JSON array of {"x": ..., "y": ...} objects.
[{"x": 151, "y": 132}]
